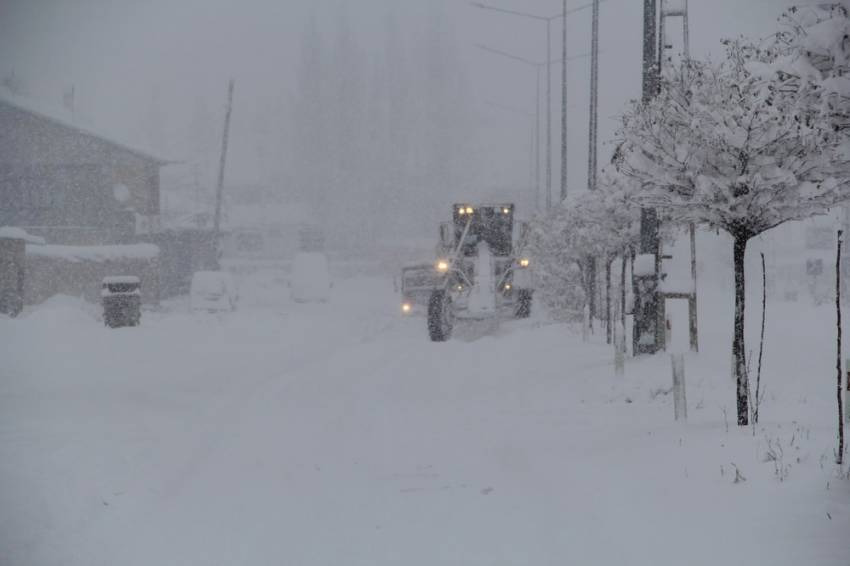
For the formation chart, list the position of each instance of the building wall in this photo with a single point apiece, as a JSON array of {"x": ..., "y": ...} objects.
[
  {"x": 48, "y": 276},
  {"x": 12, "y": 275},
  {"x": 60, "y": 183}
]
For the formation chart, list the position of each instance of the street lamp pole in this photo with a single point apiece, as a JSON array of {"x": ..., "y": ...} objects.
[
  {"x": 548, "y": 115},
  {"x": 564, "y": 106},
  {"x": 548, "y": 20},
  {"x": 537, "y": 65},
  {"x": 594, "y": 100},
  {"x": 537, "y": 140}
]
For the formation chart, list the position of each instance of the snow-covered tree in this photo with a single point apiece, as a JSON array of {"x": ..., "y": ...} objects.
[
  {"x": 743, "y": 145},
  {"x": 619, "y": 219},
  {"x": 602, "y": 224},
  {"x": 560, "y": 281},
  {"x": 819, "y": 36}
]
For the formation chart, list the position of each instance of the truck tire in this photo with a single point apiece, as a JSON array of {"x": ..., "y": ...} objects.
[
  {"x": 523, "y": 303},
  {"x": 440, "y": 318}
]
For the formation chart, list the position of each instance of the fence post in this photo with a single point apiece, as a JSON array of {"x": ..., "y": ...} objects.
[
  {"x": 619, "y": 341},
  {"x": 680, "y": 404},
  {"x": 693, "y": 332},
  {"x": 619, "y": 354},
  {"x": 585, "y": 323}
]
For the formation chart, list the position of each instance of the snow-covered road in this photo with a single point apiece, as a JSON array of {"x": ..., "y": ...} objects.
[{"x": 336, "y": 434}]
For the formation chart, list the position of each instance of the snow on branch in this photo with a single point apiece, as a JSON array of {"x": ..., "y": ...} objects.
[{"x": 743, "y": 145}]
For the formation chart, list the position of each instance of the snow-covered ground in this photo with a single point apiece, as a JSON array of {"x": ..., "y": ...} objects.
[{"x": 337, "y": 434}]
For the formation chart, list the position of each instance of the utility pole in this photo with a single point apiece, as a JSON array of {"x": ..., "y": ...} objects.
[
  {"x": 548, "y": 115},
  {"x": 594, "y": 99},
  {"x": 548, "y": 20},
  {"x": 537, "y": 66},
  {"x": 591, "y": 157},
  {"x": 537, "y": 140},
  {"x": 646, "y": 335},
  {"x": 650, "y": 78},
  {"x": 220, "y": 185},
  {"x": 564, "y": 106},
  {"x": 664, "y": 45}
]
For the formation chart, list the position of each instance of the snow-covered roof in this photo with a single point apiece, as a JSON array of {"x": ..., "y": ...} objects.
[
  {"x": 64, "y": 118},
  {"x": 119, "y": 279},
  {"x": 95, "y": 253},
  {"x": 14, "y": 233}
]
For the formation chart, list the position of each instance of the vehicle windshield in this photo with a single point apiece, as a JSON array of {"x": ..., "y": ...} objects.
[
  {"x": 419, "y": 278},
  {"x": 491, "y": 224}
]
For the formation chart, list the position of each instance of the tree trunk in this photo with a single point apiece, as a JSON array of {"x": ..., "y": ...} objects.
[
  {"x": 623, "y": 296},
  {"x": 608, "y": 327},
  {"x": 839, "y": 459},
  {"x": 591, "y": 288},
  {"x": 738, "y": 347}
]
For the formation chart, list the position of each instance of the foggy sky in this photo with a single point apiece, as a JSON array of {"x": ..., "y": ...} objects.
[{"x": 125, "y": 57}]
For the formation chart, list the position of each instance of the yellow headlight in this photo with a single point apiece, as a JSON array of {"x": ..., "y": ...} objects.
[
  {"x": 506, "y": 210},
  {"x": 405, "y": 307},
  {"x": 507, "y": 286},
  {"x": 469, "y": 210},
  {"x": 442, "y": 265},
  {"x": 524, "y": 262}
]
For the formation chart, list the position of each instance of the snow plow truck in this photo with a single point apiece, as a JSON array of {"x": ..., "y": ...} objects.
[{"x": 482, "y": 273}]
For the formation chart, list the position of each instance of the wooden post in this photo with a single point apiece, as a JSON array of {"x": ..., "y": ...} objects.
[
  {"x": 623, "y": 296},
  {"x": 619, "y": 351},
  {"x": 847, "y": 392},
  {"x": 585, "y": 323},
  {"x": 619, "y": 342},
  {"x": 693, "y": 331},
  {"x": 680, "y": 404}
]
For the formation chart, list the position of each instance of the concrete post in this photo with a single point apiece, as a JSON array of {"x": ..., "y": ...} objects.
[{"x": 680, "y": 404}]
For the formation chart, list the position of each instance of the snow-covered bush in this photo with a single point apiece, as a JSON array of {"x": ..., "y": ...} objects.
[
  {"x": 602, "y": 224},
  {"x": 742, "y": 145},
  {"x": 557, "y": 272}
]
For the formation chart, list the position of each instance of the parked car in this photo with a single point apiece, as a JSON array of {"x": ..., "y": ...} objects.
[
  {"x": 212, "y": 291},
  {"x": 311, "y": 279}
]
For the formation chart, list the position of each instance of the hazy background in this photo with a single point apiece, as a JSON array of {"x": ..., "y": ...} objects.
[{"x": 372, "y": 115}]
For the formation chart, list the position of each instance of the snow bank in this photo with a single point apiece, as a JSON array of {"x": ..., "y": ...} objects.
[
  {"x": 15, "y": 233},
  {"x": 63, "y": 311}
]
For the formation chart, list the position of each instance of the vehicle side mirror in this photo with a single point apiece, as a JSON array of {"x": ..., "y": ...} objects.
[{"x": 446, "y": 235}]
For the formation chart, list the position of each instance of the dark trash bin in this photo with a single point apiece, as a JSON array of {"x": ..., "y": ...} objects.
[{"x": 122, "y": 301}]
